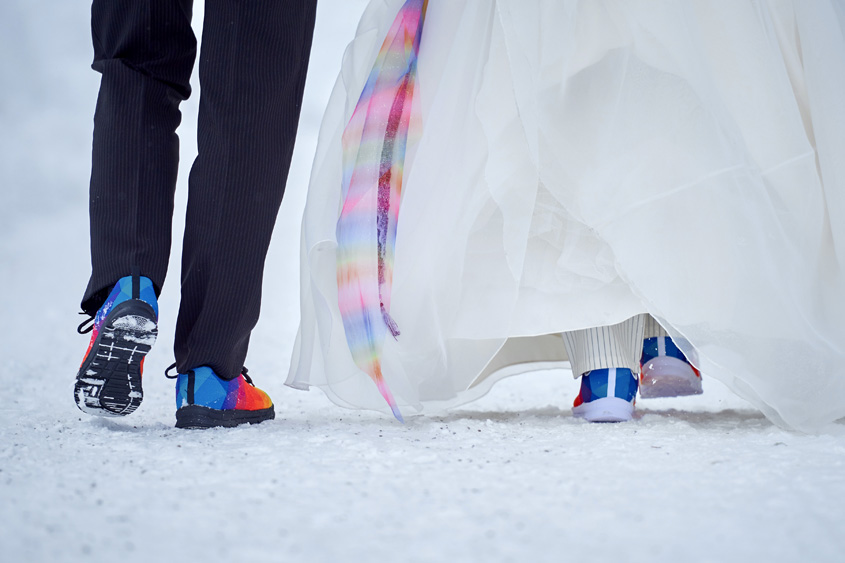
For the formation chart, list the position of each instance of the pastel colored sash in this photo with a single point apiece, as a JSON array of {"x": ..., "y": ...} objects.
[{"x": 374, "y": 146}]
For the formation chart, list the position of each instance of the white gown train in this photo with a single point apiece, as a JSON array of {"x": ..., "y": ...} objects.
[{"x": 583, "y": 162}]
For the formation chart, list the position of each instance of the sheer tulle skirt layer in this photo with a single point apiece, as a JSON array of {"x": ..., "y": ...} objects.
[{"x": 583, "y": 162}]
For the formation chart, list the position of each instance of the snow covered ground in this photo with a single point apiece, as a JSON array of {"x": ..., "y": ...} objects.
[{"x": 512, "y": 477}]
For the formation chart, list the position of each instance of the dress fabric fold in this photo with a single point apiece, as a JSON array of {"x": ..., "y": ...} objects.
[{"x": 583, "y": 162}]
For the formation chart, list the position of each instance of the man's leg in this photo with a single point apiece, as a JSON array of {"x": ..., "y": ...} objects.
[
  {"x": 145, "y": 52},
  {"x": 653, "y": 329},
  {"x": 252, "y": 74},
  {"x": 605, "y": 347},
  {"x": 607, "y": 359}
]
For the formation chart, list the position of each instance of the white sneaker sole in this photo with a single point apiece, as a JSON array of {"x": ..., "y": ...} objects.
[
  {"x": 665, "y": 376},
  {"x": 608, "y": 409}
]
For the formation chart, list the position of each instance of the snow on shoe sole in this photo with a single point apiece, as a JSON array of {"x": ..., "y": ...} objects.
[
  {"x": 606, "y": 409},
  {"x": 197, "y": 416},
  {"x": 109, "y": 381},
  {"x": 665, "y": 376}
]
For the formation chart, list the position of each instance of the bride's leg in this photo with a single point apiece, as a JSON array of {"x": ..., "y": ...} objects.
[
  {"x": 665, "y": 371},
  {"x": 652, "y": 328},
  {"x": 607, "y": 359}
]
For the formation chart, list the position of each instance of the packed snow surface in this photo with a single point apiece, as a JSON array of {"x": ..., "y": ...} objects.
[{"x": 512, "y": 477}]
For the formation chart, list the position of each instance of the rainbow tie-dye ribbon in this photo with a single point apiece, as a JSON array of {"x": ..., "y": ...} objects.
[{"x": 374, "y": 146}]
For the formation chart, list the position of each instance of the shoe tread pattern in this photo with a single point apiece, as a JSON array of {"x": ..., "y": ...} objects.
[{"x": 109, "y": 381}]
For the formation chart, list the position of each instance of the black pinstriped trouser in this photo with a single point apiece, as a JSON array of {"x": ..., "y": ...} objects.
[{"x": 252, "y": 74}]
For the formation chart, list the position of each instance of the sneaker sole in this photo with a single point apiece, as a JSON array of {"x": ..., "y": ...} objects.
[
  {"x": 199, "y": 417},
  {"x": 665, "y": 376},
  {"x": 607, "y": 409},
  {"x": 109, "y": 381}
]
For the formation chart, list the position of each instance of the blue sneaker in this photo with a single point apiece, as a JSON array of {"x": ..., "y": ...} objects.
[
  {"x": 123, "y": 331},
  {"x": 665, "y": 371},
  {"x": 204, "y": 400},
  {"x": 607, "y": 395}
]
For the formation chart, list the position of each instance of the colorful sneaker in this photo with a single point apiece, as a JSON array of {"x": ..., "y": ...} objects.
[
  {"x": 123, "y": 331},
  {"x": 204, "y": 400},
  {"x": 607, "y": 395},
  {"x": 665, "y": 371}
]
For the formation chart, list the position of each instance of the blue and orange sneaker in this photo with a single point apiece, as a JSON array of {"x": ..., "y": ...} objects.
[
  {"x": 204, "y": 400},
  {"x": 123, "y": 331},
  {"x": 607, "y": 395},
  {"x": 665, "y": 371}
]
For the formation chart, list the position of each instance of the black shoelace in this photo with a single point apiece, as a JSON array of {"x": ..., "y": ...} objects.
[
  {"x": 82, "y": 328},
  {"x": 246, "y": 376},
  {"x": 168, "y": 375}
]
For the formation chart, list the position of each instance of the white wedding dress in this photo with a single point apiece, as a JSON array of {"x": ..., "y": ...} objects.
[{"x": 582, "y": 162}]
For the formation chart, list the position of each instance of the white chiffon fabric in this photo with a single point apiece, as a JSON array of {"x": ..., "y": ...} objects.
[{"x": 582, "y": 162}]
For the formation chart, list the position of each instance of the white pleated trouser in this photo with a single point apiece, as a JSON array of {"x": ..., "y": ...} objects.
[{"x": 612, "y": 346}]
